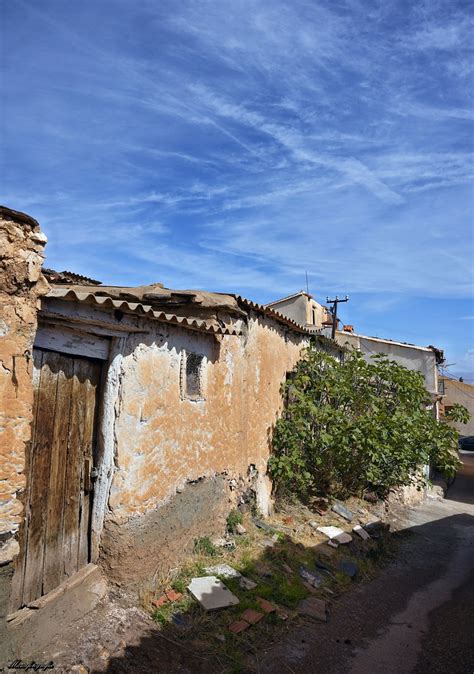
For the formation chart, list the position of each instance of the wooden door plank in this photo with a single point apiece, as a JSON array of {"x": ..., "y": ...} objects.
[
  {"x": 39, "y": 482},
  {"x": 72, "y": 503},
  {"x": 81, "y": 435},
  {"x": 53, "y": 564},
  {"x": 91, "y": 387},
  {"x": 18, "y": 582}
]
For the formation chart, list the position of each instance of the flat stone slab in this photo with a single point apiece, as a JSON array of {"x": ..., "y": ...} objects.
[
  {"x": 312, "y": 577},
  {"x": 223, "y": 570},
  {"x": 344, "y": 512},
  {"x": 226, "y": 571},
  {"x": 211, "y": 593},
  {"x": 336, "y": 534},
  {"x": 247, "y": 583},
  {"x": 314, "y": 608},
  {"x": 360, "y": 531}
]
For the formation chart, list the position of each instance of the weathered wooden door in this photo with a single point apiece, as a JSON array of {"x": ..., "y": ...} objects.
[{"x": 55, "y": 538}]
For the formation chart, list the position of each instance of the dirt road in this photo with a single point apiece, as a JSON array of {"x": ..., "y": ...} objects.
[{"x": 416, "y": 617}]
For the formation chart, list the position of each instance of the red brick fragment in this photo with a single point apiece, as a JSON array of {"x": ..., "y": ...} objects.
[
  {"x": 251, "y": 616},
  {"x": 238, "y": 626},
  {"x": 159, "y": 602},
  {"x": 173, "y": 596},
  {"x": 266, "y": 606}
]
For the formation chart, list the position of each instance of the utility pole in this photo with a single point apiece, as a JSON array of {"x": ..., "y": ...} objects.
[{"x": 333, "y": 311}]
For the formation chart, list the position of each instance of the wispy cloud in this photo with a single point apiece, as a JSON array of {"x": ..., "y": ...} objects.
[{"x": 236, "y": 145}]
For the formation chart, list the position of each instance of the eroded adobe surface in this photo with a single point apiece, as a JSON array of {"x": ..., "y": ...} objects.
[{"x": 21, "y": 284}]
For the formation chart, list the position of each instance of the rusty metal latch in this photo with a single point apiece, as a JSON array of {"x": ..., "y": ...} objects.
[{"x": 88, "y": 475}]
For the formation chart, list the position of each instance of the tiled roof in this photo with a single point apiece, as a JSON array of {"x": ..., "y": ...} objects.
[{"x": 69, "y": 277}]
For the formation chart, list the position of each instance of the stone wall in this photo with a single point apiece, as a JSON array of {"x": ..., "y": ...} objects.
[{"x": 21, "y": 284}]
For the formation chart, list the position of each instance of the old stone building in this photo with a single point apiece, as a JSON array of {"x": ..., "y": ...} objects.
[
  {"x": 21, "y": 284},
  {"x": 135, "y": 419}
]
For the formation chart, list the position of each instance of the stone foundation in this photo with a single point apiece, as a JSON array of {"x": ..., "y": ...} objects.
[{"x": 149, "y": 545}]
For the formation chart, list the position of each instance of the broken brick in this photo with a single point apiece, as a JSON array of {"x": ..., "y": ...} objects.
[
  {"x": 251, "y": 616},
  {"x": 238, "y": 626},
  {"x": 173, "y": 596},
  {"x": 266, "y": 606},
  {"x": 159, "y": 602}
]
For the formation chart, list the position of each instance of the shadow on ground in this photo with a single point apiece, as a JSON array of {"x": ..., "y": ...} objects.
[
  {"x": 462, "y": 490},
  {"x": 193, "y": 646}
]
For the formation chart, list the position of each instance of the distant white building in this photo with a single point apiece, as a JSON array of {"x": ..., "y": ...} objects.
[
  {"x": 302, "y": 308},
  {"x": 423, "y": 359}
]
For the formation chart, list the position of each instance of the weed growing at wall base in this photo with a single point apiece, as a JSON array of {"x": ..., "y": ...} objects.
[{"x": 357, "y": 424}]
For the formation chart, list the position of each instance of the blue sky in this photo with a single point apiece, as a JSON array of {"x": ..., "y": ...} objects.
[{"x": 235, "y": 145}]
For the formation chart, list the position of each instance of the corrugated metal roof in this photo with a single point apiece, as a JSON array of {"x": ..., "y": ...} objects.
[
  {"x": 147, "y": 310},
  {"x": 157, "y": 296}
]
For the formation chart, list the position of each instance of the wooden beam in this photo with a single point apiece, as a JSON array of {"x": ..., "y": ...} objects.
[
  {"x": 100, "y": 327},
  {"x": 73, "y": 342}
]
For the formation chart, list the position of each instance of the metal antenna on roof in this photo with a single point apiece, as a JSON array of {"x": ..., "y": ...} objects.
[{"x": 307, "y": 286}]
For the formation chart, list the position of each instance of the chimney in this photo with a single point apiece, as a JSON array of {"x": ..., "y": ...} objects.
[{"x": 348, "y": 328}]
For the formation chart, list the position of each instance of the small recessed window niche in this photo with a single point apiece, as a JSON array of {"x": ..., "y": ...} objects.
[{"x": 192, "y": 380}]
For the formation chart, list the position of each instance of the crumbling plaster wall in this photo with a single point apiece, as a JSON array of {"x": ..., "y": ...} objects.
[
  {"x": 164, "y": 440},
  {"x": 176, "y": 456},
  {"x": 21, "y": 284}
]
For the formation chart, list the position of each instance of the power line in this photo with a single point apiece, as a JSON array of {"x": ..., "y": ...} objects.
[{"x": 333, "y": 311}]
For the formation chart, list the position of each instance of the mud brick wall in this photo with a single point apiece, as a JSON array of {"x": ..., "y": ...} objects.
[{"x": 21, "y": 285}]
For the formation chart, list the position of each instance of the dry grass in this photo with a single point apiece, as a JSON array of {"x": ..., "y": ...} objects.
[{"x": 275, "y": 570}]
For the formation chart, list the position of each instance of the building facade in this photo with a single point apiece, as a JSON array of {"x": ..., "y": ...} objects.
[
  {"x": 137, "y": 418},
  {"x": 462, "y": 393}
]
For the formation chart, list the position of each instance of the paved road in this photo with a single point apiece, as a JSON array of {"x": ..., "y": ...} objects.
[{"x": 416, "y": 617}]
